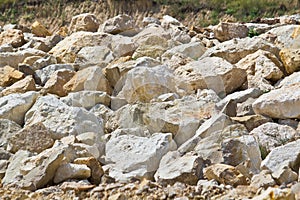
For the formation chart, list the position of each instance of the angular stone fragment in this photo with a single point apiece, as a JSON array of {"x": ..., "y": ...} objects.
[
  {"x": 12, "y": 36},
  {"x": 71, "y": 171},
  {"x": 290, "y": 59},
  {"x": 9, "y": 76},
  {"x": 39, "y": 29},
  {"x": 22, "y": 86},
  {"x": 84, "y": 22},
  {"x": 227, "y": 31}
]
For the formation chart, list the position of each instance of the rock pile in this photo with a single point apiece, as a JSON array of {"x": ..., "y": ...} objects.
[{"x": 116, "y": 111}]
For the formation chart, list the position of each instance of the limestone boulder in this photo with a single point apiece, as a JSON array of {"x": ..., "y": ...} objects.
[
  {"x": 66, "y": 51},
  {"x": 71, "y": 171},
  {"x": 176, "y": 168},
  {"x": 56, "y": 82},
  {"x": 15, "y": 106},
  {"x": 262, "y": 180},
  {"x": 137, "y": 157},
  {"x": 34, "y": 138},
  {"x": 236, "y": 49},
  {"x": 61, "y": 119},
  {"x": 9, "y": 76},
  {"x": 152, "y": 30},
  {"x": 115, "y": 71},
  {"x": 14, "y": 58},
  {"x": 289, "y": 80},
  {"x": 7, "y": 128},
  {"x": 226, "y": 31},
  {"x": 40, "y": 30},
  {"x": 271, "y": 135},
  {"x": 282, "y": 103},
  {"x": 86, "y": 99},
  {"x": 12, "y": 36},
  {"x": 283, "y": 162},
  {"x": 121, "y": 24},
  {"x": 84, "y": 22},
  {"x": 22, "y": 86},
  {"x": 212, "y": 73},
  {"x": 90, "y": 78},
  {"x": 44, "y": 62},
  {"x": 290, "y": 59},
  {"x": 45, "y": 73},
  {"x": 143, "y": 84},
  {"x": 225, "y": 174},
  {"x": 263, "y": 68},
  {"x": 193, "y": 50}
]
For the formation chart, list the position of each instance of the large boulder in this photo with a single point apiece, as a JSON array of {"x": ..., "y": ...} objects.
[
  {"x": 121, "y": 24},
  {"x": 137, "y": 157},
  {"x": 289, "y": 80},
  {"x": 271, "y": 135},
  {"x": 66, "y": 51},
  {"x": 90, "y": 78},
  {"x": 290, "y": 59},
  {"x": 84, "y": 22},
  {"x": 176, "y": 168},
  {"x": 15, "y": 106},
  {"x": 282, "y": 103},
  {"x": 236, "y": 49},
  {"x": 12, "y": 36},
  {"x": 143, "y": 84},
  {"x": 212, "y": 73},
  {"x": 13, "y": 59},
  {"x": 9, "y": 76},
  {"x": 227, "y": 31},
  {"x": 61, "y": 119}
]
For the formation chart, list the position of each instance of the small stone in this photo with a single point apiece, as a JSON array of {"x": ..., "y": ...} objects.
[
  {"x": 71, "y": 171},
  {"x": 39, "y": 30}
]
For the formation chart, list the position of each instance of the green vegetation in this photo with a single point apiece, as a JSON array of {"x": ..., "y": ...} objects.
[{"x": 252, "y": 33}]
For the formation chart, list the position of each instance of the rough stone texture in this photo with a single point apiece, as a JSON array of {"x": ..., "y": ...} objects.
[
  {"x": 121, "y": 24},
  {"x": 12, "y": 36},
  {"x": 271, "y": 135},
  {"x": 14, "y": 58},
  {"x": 66, "y": 50},
  {"x": 115, "y": 71},
  {"x": 84, "y": 22},
  {"x": 276, "y": 193},
  {"x": 227, "y": 31},
  {"x": 262, "y": 180},
  {"x": 252, "y": 121},
  {"x": 283, "y": 161},
  {"x": 34, "y": 138},
  {"x": 61, "y": 119},
  {"x": 96, "y": 168},
  {"x": 7, "y": 128},
  {"x": 262, "y": 69},
  {"x": 44, "y": 62},
  {"x": 56, "y": 82},
  {"x": 176, "y": 168},
  {"x": 90, "y": 78},
  {"x": 290, "y": 59},
  {"x": 225, "y": 174},
  {"x": 281, "y": 103},
  {"x": 14, "y": 106},
  {"x": 45, "y": 73},
  {"x": 137, "y": 157},
  {"x": 86, "y": 99},
  {"x": 39, "y": 29},
  {"x": 143, "y": 84},
  {"x": 9, "y": 76},
  {"x": 22, "y": 86},
  {"x": 213, "y": 73},
  {"x": 236, "y": 49},
  {"x": 289, "y": 80},
  {"x": 193, "y": 50},
  {"x": 71, "y": 171}
]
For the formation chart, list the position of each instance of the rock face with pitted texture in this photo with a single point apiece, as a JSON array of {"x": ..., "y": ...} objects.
[{"x": 110, "y": 110}]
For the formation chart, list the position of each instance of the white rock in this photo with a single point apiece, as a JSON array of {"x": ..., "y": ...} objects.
[
  {"x": 71, "y": 171},
  {"x": 193, "y": 50},
  {"x": 281, "y": 103},
  {"x": 236, "y": 49},
  {"x": 84, "y": 22},
  {"x": 137, "y": 157},
  {"x": 143, "y": 84},
  {"x": 14, "y": 106},
  {"x": 45, "y": 73},
  {"x": 212, "y": 73},
  {"x": 173, "y": 167},
  {"x": 61, "y": 119},
  {"x": 227, "y": 31},
  {"x": 86, "y": 99}
]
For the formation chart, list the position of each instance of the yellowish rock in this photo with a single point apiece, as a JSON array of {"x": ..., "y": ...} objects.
[
  {"x": 290, "y": 59},
  {"x": 22, "y": 86},
  {"x": 56, "y": 82},
  {"x": 9, "y": 76},
  {"x": 40, "y": 30},
  {"x": 12, "y": 36}
]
